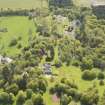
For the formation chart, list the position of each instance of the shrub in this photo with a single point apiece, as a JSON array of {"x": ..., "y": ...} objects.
[
  {"x": 86, "y": 64},
  {"x": 2, "y": 82},
  {"x": 27, "y": 54},
  {"x": 76, "y": 63},
  {"x": 11, "y": 98},
  {"x": 90, "y": 97},
  {"x": 57, "y": 63},
  {"x": 71, "y": 92},
  {"x": 101, "y": 75},
  {"x": 60, "y": 89},
  {"x": 19, "y": 38},
  {"x": 19, "y": 46},
  {"x": 22, "y": 83},
  {"x": 88, "y": 75},
  {"x": 37, "y": 99},
  {"x": 52, "y": 90},
  {"x": 65, "y": 100},
  {"x": 20, "y": 98},
  {"x": 29, "y": 93},
  {"x": 42, "y": 85},
  {"x": 13, "y": 88},
  {"x": 71, "y": 84},
  {"x": 13, "y": 42},
  {"x": 28, "y": 102},
  {"x": 101, "y": 83},
  {"x": 33, "y": 85}
]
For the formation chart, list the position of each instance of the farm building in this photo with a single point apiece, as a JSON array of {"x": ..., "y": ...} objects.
[{"x": 98, "y": 7}]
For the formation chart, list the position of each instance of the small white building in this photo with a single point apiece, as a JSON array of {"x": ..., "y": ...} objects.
[{"x": 4, "y": 60}]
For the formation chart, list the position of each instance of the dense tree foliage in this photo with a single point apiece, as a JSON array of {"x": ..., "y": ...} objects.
[
  {"x": 87, "y": 97},
  {"x": 79, "y": 42},
  {"x": 60, "y": 3}
]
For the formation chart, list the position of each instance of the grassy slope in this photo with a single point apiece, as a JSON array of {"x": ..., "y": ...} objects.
[{"x": 17, "y": 26}]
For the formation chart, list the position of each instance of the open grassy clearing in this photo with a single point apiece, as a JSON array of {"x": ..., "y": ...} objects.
[
  {"x": 20, "y": 26},
  {"x": 35, "y": 3},
  {"x": 16, "y": 27},
  {"x": 74, "y": 74},
  {"x": 84, "y": 3},
  {"x": 22, "y": 4}
]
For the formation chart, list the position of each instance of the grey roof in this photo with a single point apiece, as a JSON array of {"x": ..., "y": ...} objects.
[{"x": 98, "y": 2}]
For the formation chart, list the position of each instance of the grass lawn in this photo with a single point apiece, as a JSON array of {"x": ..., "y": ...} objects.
[
  {"x": 16, "y": 26},
  {"x": 74, "y": 74}
]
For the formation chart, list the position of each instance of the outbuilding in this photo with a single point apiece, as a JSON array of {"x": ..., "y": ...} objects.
[{"x": 4, "y": 60}]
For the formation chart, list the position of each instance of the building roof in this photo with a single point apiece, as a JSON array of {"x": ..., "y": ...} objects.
[
  {"x": 5, "y": 59},
  {"x": 96, "y": 3}
]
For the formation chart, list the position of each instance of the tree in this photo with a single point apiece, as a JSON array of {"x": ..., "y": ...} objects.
[
  {"x": 13, "y": 42},
  {"x": 20, "y": 98},
  {"x": 37, "y": 99},
  {"x": 42, "y": 84},
  {"x": 7, "y": 73},
  {"x": 13, "y": 88},
  {"x": 101, "y": 75},
  {"x": 6, "y": 99},
  {"x": 101, "y": 82},
  {"x": 22, "y": 83},
  {"x": 87, "y": 63},
  {"x": 102, "y": 100},
  {"x": 65, "y": 100},
  {"x": 29, "y": 93},
  {"x": 68, "y": 50},
  {"x": 28, "y": 102},
  {"x": 89, "y": 75},
  {"x": 90, "y": 97}
]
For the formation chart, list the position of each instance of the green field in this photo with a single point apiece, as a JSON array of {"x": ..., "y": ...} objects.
[
  {"x": 22, "y": 3},
  {"x": 17, "y": 27},
  {"x": 34, "y": 3},
  {"x": 73, "y": 74}
]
